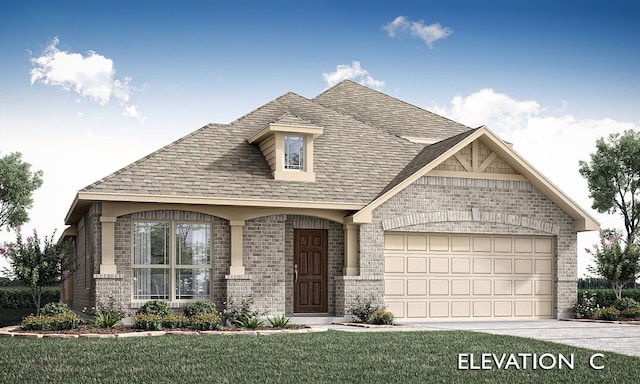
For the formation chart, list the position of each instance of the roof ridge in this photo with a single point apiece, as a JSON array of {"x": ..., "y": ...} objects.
[
  {"x": 152, "y": 154},
  {"x": 263, "y": 106},
  {"x": 389, "y": 96}
]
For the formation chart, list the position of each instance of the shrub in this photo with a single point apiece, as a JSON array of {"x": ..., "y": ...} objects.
[
  {"x": 52, "y": 309},
  {"x": 199, "y": 307},
  {"x": 382, "y": 317},
  {"x": 154, "y": 307},
  {"x": 175, "y": 321},
  {"x": 252, "y": 322},
  {"x": 147, "y": 321},
  {"x": 108, "y": 313},
  {"x": 206, "y": 322},
  {"x": 608, "y": 313},
  {"x": 630, "y": 313},
  {"x": 363, "y": 309},
  {"x": 279, "y": 321},
  {"x": 625, "y": 303},
  {"x": 586, "y": 305},
  {"x": 606, "y": 297},
  {"x": 17, "y": 297},
  {"x": 57, "y": 322},
  {"x": 234, "y": 312}
]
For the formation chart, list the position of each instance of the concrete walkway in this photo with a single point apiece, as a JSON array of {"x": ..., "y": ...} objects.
[{"x": 619, "y": 338}]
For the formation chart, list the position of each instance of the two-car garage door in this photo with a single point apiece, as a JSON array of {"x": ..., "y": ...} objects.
[{"x": 468, "y": 277}]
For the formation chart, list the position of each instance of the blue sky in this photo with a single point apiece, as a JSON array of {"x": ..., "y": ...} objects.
[{"x": 116, "y": 80}]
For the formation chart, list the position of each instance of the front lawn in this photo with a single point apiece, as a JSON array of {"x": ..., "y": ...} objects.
[{"x": 329, "y": 357}]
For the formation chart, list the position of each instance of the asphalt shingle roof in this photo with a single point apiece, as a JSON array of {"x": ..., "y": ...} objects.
[
  {"x": 354, "y": 159},
  {"x": 385, "y": 112}
]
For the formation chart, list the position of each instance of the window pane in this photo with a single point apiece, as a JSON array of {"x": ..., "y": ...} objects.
[
  {"x": 193, "y": 244},
  {"x": 150, "y": 243},
  {"x": 192, "y": 284},
  {"x": 294, "y": 152},
  {"x": 150, "y": 283}
]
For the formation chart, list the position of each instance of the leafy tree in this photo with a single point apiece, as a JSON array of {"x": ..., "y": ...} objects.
[
  {"x": 614, "y": 260},
  {"x": 38, "y": 265},
  {"x": 17, "y": 184},
  {"x": 613, "y": 176}
]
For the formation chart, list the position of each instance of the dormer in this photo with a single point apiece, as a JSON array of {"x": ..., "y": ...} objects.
[{"x": 287, "y": 145}]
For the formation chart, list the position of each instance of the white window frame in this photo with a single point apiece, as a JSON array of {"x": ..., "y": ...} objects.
[
  {"x": 172, "y": 267},
  {"x": 300, "y": 140}
]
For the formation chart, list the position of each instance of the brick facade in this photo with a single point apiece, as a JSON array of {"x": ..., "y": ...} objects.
[{"x": 439, "y": 204}]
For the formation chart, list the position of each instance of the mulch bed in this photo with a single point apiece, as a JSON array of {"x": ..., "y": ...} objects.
[{"x": 84, "y": 329}]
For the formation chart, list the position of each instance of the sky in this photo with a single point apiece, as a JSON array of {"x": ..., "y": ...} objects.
[{"x": 87, "y": 87}]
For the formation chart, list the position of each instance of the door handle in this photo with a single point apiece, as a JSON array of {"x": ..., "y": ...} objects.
[{"x": 295, "y": 273}]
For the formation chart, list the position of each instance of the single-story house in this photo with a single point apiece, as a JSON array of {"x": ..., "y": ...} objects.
[{"x": 304, "y": 204}]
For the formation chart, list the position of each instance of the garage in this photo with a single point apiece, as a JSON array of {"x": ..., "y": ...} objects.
[{"x": 444, "y": 277}]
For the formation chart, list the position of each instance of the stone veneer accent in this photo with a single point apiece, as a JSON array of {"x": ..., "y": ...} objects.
[{"x": 441, "y": 204}]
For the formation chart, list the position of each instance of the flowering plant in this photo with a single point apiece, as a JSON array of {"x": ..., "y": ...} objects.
[
  {"x": 107, "y": 313},
  {"x": 615, "y": 260},
  {"x": 37, "y": 263}
]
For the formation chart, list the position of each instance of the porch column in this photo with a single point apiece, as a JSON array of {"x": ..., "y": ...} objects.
[
  {"x": 108, "y": 264},
  {"x": 350, "y": 250},
  {"x": 236, "y": 228}
]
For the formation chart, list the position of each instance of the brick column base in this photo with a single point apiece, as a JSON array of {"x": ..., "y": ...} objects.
[{"x": 349, "y": 287}]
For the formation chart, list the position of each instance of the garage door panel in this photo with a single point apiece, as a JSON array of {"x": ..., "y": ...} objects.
[
  {"x": 502, "y": 266},
  {"x": 416, "y": 242},
  {"x": 467, "y": 277},
  {"x": 461, "y": 287},
  {"x": 482, "y": 266},
  {"x": 416, "y": 287},
  {"x": 417, "y": 264},
  {"x": 416, "y": 309},
  {"x": 460, "y": 265},
  {"x": 439, "y": 265}
]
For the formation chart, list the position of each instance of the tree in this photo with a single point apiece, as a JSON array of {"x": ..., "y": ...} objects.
[
  {"x": 615, "y": 261},
  {"x": 17, "y": 184},
  {"x": 38, "y": 265}
]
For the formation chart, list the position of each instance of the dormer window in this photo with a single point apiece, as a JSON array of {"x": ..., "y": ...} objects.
[
  {"x": 287, "y": 145},
  {"x": 294, "y": 153}
]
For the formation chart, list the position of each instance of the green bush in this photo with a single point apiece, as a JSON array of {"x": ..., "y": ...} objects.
[
  {"x": 206, "y": 322},
  {"x": 625, "y": 303},
  {"x": 249, "y": 322},
  {"x": 363, "y": 309},
  {"x": 52, "y": 309},
  {"x": 175, "y": 321},
  {"x": 154, "y": 307},
  {"x": 608, "y": 313},
  {"x": 57, "y": 322},
  {"x": 630, "y": 313},
  {"x": 199, "y": 307},
  {"x": 147, "y": 321},
  {"x": 20, "y": 297},
  {"x": 279, "y": 321},
  {"x": 606, "y": 297},
  {"x": 382, "y": 317}
]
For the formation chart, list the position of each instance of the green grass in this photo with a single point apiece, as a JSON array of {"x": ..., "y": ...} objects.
[
  {"x": 330, "y": 357},
  {"x": 13, "y": 316}
]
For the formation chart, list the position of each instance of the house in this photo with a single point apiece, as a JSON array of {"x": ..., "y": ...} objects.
[{"x": 304, "y": 204}]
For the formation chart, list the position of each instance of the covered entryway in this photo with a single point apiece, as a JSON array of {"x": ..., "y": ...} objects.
[
  {"x": 468, "y": 277},
  {"x": 310, "y": 270}
]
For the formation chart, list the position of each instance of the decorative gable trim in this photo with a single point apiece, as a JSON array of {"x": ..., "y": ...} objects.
[
  {"x": 271, "y": 142},
  {"x": 582, "y": 220}
]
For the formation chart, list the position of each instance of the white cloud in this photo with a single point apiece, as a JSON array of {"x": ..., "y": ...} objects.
[
  {"x": 428, "y": 33},
  {"x": 91, "y": 76},
  {"x": 351, "y": 72},
  {"x": 132, "y": 111},
  {"x": 552, "y": 144}
]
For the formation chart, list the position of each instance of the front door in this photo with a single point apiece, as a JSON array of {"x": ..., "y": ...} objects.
[{"x": 310, "y": 270}]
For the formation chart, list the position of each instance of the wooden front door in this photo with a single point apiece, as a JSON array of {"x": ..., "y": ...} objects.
[{"x": 310, "y": 270}]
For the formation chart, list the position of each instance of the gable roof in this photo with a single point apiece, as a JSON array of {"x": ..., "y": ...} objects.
[
  {"x": 435, "y": 154},
  {"x": 353, "y": 162},
  {"x": 388, "y": 113}
]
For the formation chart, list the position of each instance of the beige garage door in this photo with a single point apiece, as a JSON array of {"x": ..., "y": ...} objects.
[{"x": 468, "y": 277}]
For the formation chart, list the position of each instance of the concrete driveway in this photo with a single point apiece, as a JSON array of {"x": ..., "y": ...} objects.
[{"x": 620, "y": 338}]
